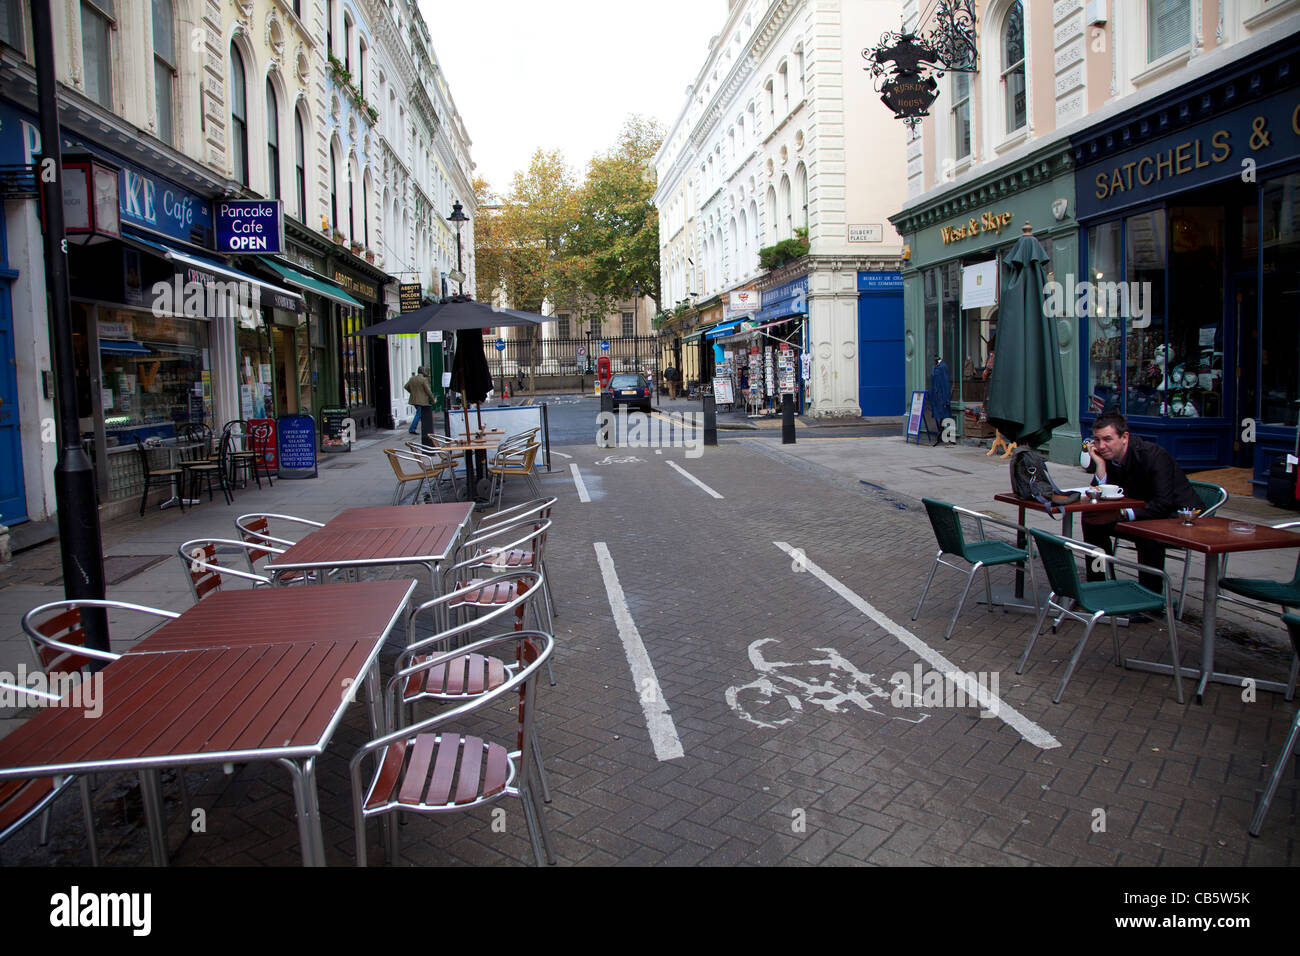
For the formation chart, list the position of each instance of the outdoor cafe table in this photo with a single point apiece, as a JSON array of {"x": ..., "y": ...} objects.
[
  {"x": 244, "y": 675},
  {"x": 475, "y": 450},
  {"x": 1102, "y": 506},
  {"x": 379, "y": 537},
  {"x": 1210, "y": 537}
]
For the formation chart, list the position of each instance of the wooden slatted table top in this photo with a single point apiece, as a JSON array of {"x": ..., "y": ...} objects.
[
  {"x": 401, "y": 516},
  {"x": 198, "y": 706},
  {"x": 331, "y": 548},
  {"x": 1210, "y": 535},
  {"x": 243, "y": 618}
]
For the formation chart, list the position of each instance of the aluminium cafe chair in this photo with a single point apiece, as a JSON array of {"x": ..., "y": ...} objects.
[
  {"x": 22, "y": 800},
  {"x": 520, "y": 460},
  {"x": 441, "y": 466},
  {"x": 1292, "y": 623},
  {"x": 431, "y": 767},
  {"x": 538, "y": 509},
  {"x": 1090, "y": 601},
  {"x": 57, "y": 637},
  {"x": 409, "y": 468},
  {"x": 204, "y": 571},
  {"x": 1284, "y": 593},
  {"x": 945, "y": 520}
]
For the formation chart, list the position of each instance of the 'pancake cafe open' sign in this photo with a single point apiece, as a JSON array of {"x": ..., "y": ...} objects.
[{"x": 993, "y": 222}]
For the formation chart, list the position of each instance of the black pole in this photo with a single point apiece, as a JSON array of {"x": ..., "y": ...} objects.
[
  {"x": 710, "y": 420},
  {"x": 787, "y": 419},
  {"x": 80, "y": 543}
]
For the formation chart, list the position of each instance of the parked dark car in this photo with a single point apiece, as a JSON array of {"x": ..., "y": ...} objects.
[{"x": 631, "y": 389}]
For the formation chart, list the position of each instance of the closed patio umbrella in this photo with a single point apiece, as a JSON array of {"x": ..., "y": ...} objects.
[{"x": 1026, "y": 397}]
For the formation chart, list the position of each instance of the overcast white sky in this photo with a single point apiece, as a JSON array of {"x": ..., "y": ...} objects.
[{"x": 563, "y": 74}]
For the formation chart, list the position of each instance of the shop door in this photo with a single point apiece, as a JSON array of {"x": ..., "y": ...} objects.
[
  {"x": 285, "y": 384},
  {"x": 1243, "y": 300},
  {"x": 13, "y": 496},
  {"x": 881, "y": 369}
]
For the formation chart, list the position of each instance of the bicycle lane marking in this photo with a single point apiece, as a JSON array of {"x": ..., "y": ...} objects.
[
  {"x": 677, "y": 467},
  {"x": 663, "y": 732},
  {"x": 578, "y": 483},
  {"x": 988, "y": 701}
]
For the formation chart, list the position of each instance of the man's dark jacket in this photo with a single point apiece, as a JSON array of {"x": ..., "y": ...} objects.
[{"x": 1150, "y": 473}]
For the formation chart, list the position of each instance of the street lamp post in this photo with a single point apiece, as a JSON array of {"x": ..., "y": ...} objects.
[{"x": 458, "y": 216}]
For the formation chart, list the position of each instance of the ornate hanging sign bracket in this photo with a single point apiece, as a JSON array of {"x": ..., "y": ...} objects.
[{"x": 909, "y": 86}]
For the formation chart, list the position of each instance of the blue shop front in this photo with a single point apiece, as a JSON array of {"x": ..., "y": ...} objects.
[{"x": 1189, "y": 208}]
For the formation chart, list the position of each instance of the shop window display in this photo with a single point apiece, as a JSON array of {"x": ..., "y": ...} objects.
[
  {"x": 1280, "y": 331},
  {"x": 153, "y": 376}
]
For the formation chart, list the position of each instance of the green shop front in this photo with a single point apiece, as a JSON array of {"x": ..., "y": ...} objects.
[
  {"x": 956, "y": 238},
  {"x": 1189, "y": 209}
]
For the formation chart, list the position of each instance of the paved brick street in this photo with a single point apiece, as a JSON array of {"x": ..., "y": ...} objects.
[{"x": 774, "y": 618}]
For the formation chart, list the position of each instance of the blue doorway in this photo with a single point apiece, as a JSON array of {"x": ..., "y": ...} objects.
[
  {"x": 881, "y": 373},
  {"x": 13, "y": 496}
]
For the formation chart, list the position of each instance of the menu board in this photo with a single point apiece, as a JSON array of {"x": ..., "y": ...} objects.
[
  {"x": 722, "y": 393},
  {"x": 296, "y": 446},
  {"x": 332, "y": 437}
]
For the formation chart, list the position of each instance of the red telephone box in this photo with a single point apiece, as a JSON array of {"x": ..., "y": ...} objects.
[{"x": 603, "y": 372}]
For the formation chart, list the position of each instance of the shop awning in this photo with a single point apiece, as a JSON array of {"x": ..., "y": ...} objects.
[
  {"x": 281, "y": 298},
  {"x": 320, "y": 286},
  {"x": 740, "y": 333},
  {"x": 113, "y": 347},
  {"x": 720, "y": 330}
]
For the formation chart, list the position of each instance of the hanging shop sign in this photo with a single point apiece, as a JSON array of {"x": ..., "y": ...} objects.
[
  {"x": 249, "y": 225},
  {"x": 409, "y": 294}
]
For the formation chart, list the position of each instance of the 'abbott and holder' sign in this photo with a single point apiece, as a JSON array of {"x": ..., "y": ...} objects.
[{"x": 249, "y": 225}]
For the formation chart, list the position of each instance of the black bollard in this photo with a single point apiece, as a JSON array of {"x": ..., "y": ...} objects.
[
  {"x": 787, "y": 419},
  {"x": 710, "y": 421},
  {"x": 607, "y": 428}
]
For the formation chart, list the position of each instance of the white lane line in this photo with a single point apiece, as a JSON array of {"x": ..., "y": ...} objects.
[
  {"x": 663, "y": 733},
  {"x": 577, "y": 480},
  {"x": 561, "y": 454},
  {"x": 988, "y": 701},
  {"x": 673, "y": 464}
]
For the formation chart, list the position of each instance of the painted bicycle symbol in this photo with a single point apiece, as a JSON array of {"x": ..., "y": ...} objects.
[
  {"x": 619, "y": 460},
  {"x": 832, "y": 682}
]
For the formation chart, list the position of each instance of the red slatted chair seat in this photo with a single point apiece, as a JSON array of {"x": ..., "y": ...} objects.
[
  {"x": 466, "y": 676},
  {"x": 432, "y": 771},
  {"x": 66, "y": 628}
]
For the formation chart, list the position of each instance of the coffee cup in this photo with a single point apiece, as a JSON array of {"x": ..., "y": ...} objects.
[{"x": 1111, "y": 491}]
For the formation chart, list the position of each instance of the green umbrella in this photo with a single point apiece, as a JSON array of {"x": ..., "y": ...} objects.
[{"x": 1026, "y": 398}]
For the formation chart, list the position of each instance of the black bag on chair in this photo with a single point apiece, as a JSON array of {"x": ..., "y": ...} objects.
[{"x": 1030, "y": 479}]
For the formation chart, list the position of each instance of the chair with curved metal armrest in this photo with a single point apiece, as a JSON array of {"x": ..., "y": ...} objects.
[
  {"x": 409, "y": 467},
  {"x": 519, "y": 460},
  {"x": 536, "y": 510},
  {"x": 21, "y": 800},
  {"x": 206, "y": 574},
  {"x": 1284, "y": 593},
  {"x": 1094, "y": 600},
  {"x": 945, "y": 520},
  {"x": 255, "y": 529},
  {"x": 442, "y": 465},
  {"x": 430, "y": 768},
  {"x": 1292, "y": 623},
  {"x": 58, "y": 639}
]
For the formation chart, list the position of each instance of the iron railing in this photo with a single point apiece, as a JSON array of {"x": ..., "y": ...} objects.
[{"x": 551, "y": 356}]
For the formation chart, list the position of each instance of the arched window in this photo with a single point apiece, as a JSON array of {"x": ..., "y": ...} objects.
[
  {"x": 98, "y": 21},
  {"x": 329, "y": 27},
  {"x": 801, "y": 197},
  {"x": 771, "y": 229},
  {"x": 786, "y": 216},
  {"x": 238, "y": 118},
  {"x": 300, "y": 165},
  {"x": 272, "y": 142},
  {"x": 961, "y": 115},
  {"x": 1013, "y": 66},
  {"x": 334, "y": 189},
  {"x": 352, "y": 207},
  {"x": 164, "y": 70},
  {"x": 347, "y": 42}
]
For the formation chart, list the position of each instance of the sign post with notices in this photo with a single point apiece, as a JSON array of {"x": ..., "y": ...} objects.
[
  {"x": 335, "y": 429},
  {"x": 296, "y": 446}
]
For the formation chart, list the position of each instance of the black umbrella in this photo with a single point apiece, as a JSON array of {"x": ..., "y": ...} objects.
[{"x": 458, "y": 312}]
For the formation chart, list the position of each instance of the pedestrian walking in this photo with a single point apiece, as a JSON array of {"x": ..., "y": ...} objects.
[{"x": 421, "y": 394}]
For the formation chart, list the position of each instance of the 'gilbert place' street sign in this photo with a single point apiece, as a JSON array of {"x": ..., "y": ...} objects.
[{"x": 248, "y": 225}]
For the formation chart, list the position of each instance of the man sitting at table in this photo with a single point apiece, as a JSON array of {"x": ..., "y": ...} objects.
[{"x": 1145, "y": 471}]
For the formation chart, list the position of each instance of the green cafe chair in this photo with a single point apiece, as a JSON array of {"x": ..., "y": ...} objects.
[
  {"x": 1279, "y": 766},
  {"x": 1266, "y": 591},
  {"x": 1090, "y": 601},
  {"x": 946, "y": 521}
]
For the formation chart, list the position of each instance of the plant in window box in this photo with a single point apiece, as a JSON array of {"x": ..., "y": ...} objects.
[
  {"x": 370, "y": 255},
  {"x": 356, "y": 247}
]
